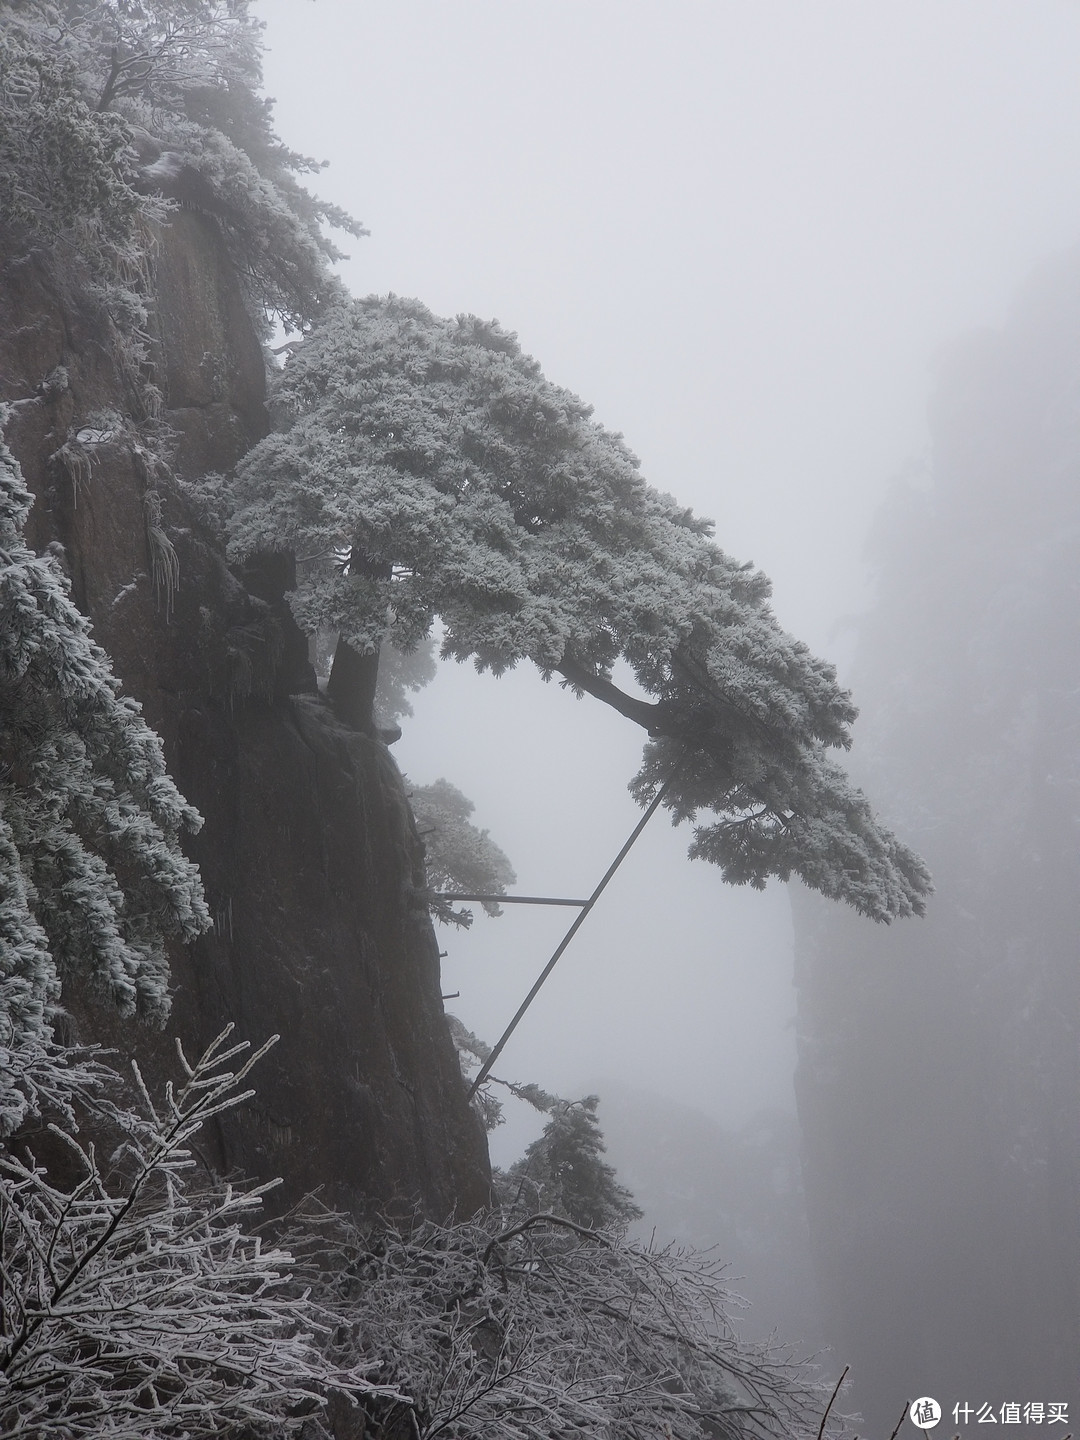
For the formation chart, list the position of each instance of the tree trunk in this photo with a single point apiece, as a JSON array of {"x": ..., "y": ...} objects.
[
  {"x": 651, "y": 715},
  {"x": 353, "y": 677},
  {"x": 351, "y": 688}
]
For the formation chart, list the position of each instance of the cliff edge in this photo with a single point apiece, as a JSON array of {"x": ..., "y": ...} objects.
[{"x": 309, "y": 854}]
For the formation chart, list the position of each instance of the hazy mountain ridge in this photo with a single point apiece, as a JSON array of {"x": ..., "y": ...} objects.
[{"x": 939, "y": 1083}]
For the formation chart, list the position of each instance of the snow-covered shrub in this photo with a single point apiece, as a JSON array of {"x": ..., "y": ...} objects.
[
  {"x": 272, "y": 227},
  {"x": 520, "y": 1326},
  {"x": 133, "y": 1302},
  {"x": 137, "y": 1301}
]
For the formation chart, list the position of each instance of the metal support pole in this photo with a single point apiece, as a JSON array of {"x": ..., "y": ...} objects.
[
  {"x": 485, "y": 1069},
  {"x": 508, "y": 899}
]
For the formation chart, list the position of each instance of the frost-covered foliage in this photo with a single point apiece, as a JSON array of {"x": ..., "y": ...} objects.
[
  {"x": 459, "y": 855},
  {"x": 92, "y": 878},
  {"x": 136, "y": 1301},
  {"x": 65, "y": 167},
  {"x": 133, "y": 1303},
  {"x": 472, "y": 1053},
  {"x": 563, "y": 1171},
  {"x": 115, "y": 110},
  {"x": 402, "y": 675},
  {"x": 425, "y": 467},
  {"x": 520, "y": 1326}
]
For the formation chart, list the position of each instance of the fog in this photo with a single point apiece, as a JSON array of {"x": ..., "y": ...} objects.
[{"x": 747, "y": 233}]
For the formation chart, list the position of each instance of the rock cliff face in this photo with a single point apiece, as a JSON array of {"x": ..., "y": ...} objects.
[{"x": 309, "y": 854}]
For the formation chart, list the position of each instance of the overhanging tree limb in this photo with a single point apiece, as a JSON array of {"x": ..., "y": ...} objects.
[{"x": 648, "y": 714}]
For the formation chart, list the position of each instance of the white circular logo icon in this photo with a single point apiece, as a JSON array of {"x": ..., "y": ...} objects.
[{"x": 925, "y": 1412}]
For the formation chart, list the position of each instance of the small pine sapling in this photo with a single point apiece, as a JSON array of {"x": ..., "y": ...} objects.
[{"x": 563, "y": 1172}]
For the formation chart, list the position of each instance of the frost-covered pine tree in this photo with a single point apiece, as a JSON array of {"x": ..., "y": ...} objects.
[
  {"x": 425, "y": 468},
  {"x": 460, "y": 856},
  {"x": 113, "y": 113},
  {"x": 92, "y": 878},
  {"x": 563, "y": 1171}
]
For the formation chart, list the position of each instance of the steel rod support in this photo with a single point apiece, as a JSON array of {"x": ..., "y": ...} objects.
[
  {"x": 485, "y": 1069},
  {"x": 509, "y": 899}
]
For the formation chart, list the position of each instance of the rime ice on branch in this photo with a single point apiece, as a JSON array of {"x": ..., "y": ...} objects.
[
  {"x": 425, "y": 468},
  {"x": 112, "y": 114}
]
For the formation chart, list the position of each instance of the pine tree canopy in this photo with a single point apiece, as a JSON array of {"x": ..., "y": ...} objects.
[
  {"x": 563, "y": 1171},
  {"x": 92, "y": 879},
  {"x": 425, "y": 468}
]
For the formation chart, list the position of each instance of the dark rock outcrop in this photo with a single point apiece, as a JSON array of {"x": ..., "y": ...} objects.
[{"x": 309, "y": 854}]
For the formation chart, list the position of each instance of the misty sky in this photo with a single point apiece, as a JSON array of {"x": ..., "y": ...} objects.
[{"x": 744, "y": 232}]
